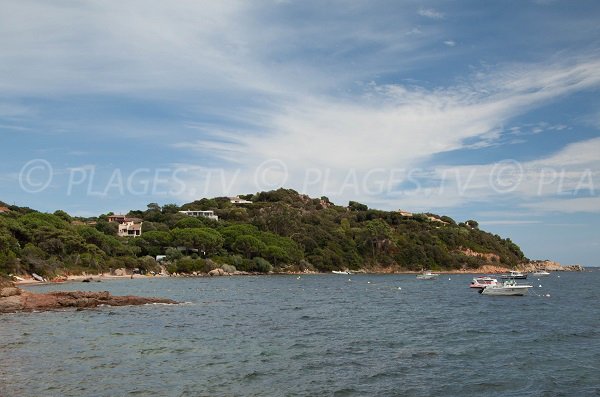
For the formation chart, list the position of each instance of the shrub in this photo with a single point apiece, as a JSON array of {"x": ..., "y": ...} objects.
[{"x": 262, "y": 265}]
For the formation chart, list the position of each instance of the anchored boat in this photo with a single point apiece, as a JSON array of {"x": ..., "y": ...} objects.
[
  {"x": 482, "y": 282},
  {"x": 508, "y": 288},
  {"x": 513, "y": 275}
]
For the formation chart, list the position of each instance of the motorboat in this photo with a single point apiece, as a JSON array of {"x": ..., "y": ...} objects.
[
  {"x": 508, "y": 288},
  {"x": 427, "y": 275},
  {"x": 541, "y": 273},
  {"x": 341, "y": 272},
  {"x": 513, "y": 275},
  {"x": 483, "y": 281}
]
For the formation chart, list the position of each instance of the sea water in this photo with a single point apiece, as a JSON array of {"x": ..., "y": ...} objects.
[{"x": 312, "y": 335}]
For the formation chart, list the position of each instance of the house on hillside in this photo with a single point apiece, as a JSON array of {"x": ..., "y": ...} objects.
[
  {"x": 128, "y": 227},
  {"x": 237, "y": 200},
  {"x": 132, "y": 227},
  {"x": 117, "y": 218},
  {"x": 405, "y": 213},
  {"x": 203, "y": 214}
]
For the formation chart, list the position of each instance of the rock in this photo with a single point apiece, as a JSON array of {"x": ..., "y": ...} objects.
[
  {"x": 9, "y": 291},
  {"x": 120, "y": 272},
  {"x": 217, "y": 272},
  {"x": 28, "y": 301},
  {"x": 550, "y": 266}
]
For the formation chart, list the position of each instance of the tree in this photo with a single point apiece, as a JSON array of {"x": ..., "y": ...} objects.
[
  {"x": 63, "y": 215},
  {"x": 472, "y": 224},
  {"x": 190, "y": 222},
  {"x": 154, "y": 242},
  {"x": 247, "y": 245},
  {"x": 276, "y": 254},
  {"x": 356, "y": 206},
  {"x": 375, "y": 233},
  {"x": 207, "y": 241},
  {"x": 153, "y": 207}
]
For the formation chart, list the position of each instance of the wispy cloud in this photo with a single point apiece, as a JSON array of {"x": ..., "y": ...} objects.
[
  {"x": 509, "y": 222},
  {"x": 450, "y": 43},
  {"x": 431, "y": 13},
  {"x": 397, "y": 127}
]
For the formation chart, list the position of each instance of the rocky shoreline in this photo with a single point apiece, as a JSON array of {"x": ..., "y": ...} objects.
[{"x": 13, "y": 299}]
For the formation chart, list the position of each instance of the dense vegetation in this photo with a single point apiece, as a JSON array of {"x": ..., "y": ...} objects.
[{"x": 281, "y": 230}]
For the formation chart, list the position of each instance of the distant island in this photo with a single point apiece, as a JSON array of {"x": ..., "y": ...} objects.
[{"x": 279, "y": 231}]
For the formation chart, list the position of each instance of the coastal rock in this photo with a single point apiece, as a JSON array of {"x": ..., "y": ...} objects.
[
  {"x": 28, "y": 301},
  {"x": 9, "y": 291},
  {"x": 120, "y": 272},
  {"x": 217, "y": 272},
  {"x": 550, "y": 266}
]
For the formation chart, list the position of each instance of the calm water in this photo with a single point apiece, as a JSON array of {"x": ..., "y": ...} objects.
[{"x": 388, "y": 335}]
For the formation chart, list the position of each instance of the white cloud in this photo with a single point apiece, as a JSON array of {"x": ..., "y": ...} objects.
[
  {"x": 396, "y": 127},
  {"x": 289, "y": 88},
  {"x": 567, "y": 181},
  {"x": 567, "y": 205},
  {"x": 450, "y": 43},
  {"x": 509, "y": 222},
  {"x": 431, "y": 13}
]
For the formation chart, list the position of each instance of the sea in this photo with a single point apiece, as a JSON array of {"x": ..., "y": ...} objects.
[{"x": 312, "y": 335}]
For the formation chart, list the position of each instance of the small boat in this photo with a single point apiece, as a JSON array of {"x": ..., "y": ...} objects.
[
  {"x": 427, "y": 275},
  {"x": 341, "y": 272},
  {"x": 541, "y": 273},
  {"x": 482, "y": 282},
  {"x": 513, "y": 275},
  {"x": 508, "y": 288},
  {"x": 37, "y": 277}
]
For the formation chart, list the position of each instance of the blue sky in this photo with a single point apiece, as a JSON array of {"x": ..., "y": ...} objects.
[{"x": 477, "y": 110}]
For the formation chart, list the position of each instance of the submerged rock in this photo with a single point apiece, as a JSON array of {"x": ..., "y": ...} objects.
[{"x": 26, "y": 301}]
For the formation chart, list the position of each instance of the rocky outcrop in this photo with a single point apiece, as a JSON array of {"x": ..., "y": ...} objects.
[
  {"x": 550, "y": 266},
  {"x": 19, "y": 300},
  {"x": 489, "y": 257},
  {"x": 217, "y": 272}
]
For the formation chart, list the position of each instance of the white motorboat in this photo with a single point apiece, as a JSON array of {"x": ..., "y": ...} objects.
[
  {"x": 482, "y": 282},
  {"x": 341, "y": 272},
  {"x": 427, "y": 275},
  {"x": 508, "y": 288},
  {"x": 514, "y": 275},
  {"x": 541, "y": 273}
]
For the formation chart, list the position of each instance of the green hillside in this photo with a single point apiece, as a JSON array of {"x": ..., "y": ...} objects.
[{"x": 280, "y": 230}]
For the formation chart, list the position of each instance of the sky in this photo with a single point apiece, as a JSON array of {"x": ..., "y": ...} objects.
[{"x": 475, "y": 110}]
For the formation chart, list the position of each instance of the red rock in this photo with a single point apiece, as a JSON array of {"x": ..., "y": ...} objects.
[{"x": 28, "y": 301}]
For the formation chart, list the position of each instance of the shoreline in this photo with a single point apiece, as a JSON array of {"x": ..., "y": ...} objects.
[
  {"x": 79, "y": 278},
  {"x": 107, "y": 277}
]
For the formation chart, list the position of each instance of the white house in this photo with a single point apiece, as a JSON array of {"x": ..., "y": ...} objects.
[
  {"x": 237, "y": 200},
  {"x": 130, "y": 228},
  {"x": 204, "y": 214}
]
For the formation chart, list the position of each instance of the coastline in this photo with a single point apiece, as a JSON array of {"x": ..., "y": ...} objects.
[{"x": 486, "y": 269}]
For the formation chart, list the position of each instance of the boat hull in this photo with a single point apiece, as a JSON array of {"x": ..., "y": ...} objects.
[
  {"x": 518, "y": 290},
  {"x": 511, "y": 277}
]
